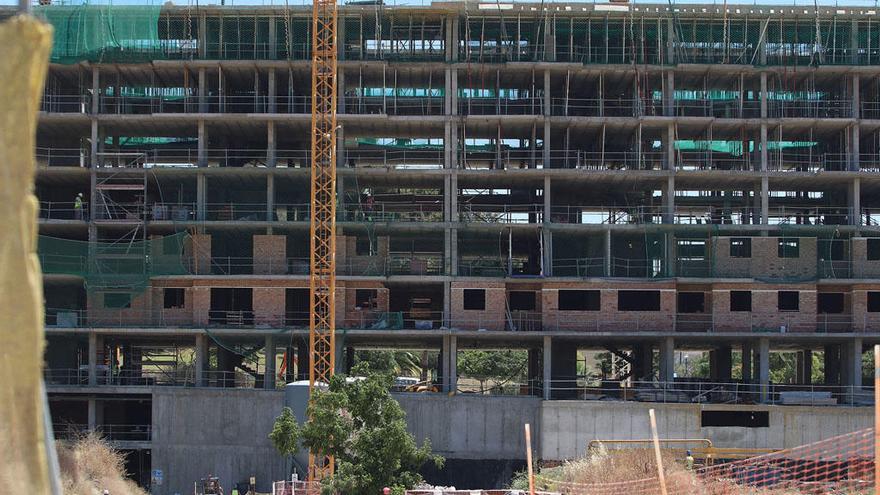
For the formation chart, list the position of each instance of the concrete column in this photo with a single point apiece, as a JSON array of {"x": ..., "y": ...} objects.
[
  {"x": 763, "y": 370},
  {"x": 763, "y": 96},
  {"x": 94, "y": 146},
  {"x": 453, "y": 364},
  {"x": 444, "y": 361},
  {"x": 608, "y": 264},
  {"x": 203, "y": 89},
  {"x": 201, "y": 196},
  {"x": 643, "y": 356},
  {"x": 764, "y": 156},
  {"x": 669, "y": 95},
  {"x": 545, "y": 152},
  {"x": 746, "y": 361},
  {"x": 832, "y": 364},
  {"x": 203, "y": 145},
  {"x": 854, "y": 200},
  {"x": 667, "y": 360},
  {"x": 271, "y": 147},
  {"x": 269, "y": 356},
  {"x": 721, "y": 362},
  {"x": 340, "y": 92},
  {"x": 201, "y": 359},
  {"x": 339, "y": 356},
  {"x": 451, "y": 39},
  {"x": 547, "y": 239},
  {"x": 670, "y": 147},
  {"x": 669, "y": 200},
  {"x": 856, "y": 96},
  {"x": 203, "y": 35},
  {"x": 447, "y": 304},
  {"x": 547, "y": 372},
  {"x": 854, "y": 365},
  {"x": 803, "y": 366},
  {"x": 92, "y": 415},
  {"x": 547, "y": 104},
  {"x": 270, "y": 197},
  {"x": 96, "y": 92},
  {"x": 273, "y": 91},
  {"x": 547, "y": 202},
  {"x": 93, "y": 358},
  {"x": 765, "y": 200},
  {"x": 670, "y": 41},
  {"x": 273, "y": 39}
]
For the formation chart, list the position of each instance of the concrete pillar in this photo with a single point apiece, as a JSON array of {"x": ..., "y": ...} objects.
[
  {"x": 452, "y": 361},
  {"x": 563, "y": 369},
  {"x": 201, "y": 359},
  {"x": 93, "y": 358},
  {"x": 643, "y": 358},
  {"x": 764, "y": 156},
  {"x": 669, "y": 96},
  {"x": 203, "y": 91},
  {"x": 272, "y": 89},
  {"x": 763, "y": 96},
  {"x": 271, "y": 147},
  {"x": 854, "y": 364},
  {"x": 721, "y": 363},
  {"x": 670, "y": 147},
  {"x": 270, "y": 197},
  {"x": 547, "y": 100},
  {"x": 667, "y": 360},
  {"x": 854, "y": 200},
  {"x": 96, "y": 92},
  {"x": 807, "y": 357},
  {"x": 545, "y": 152},
  {"x": 203, "y": 145},
  {"x": 92, "y": 415},
  {"x": 746, "y": 362},
  {"x": 670, "y": 41},
  {"x": 547, "y": 202},
  {"x": 608, "y": 263},
  {"x": 832, "y": 364},
  {"x": 547, "y": 372},
  {"x": 669, "y": 200},
  {"x": 547, "y": 255},
  {"x": 444, "y": 362},
  {"x": 765, "y": 200},
  {"x": 763, "y": 371},
  {"x": 201, "y": 197},
  {"x": 269, "y": 357},
  {"x": 339, "y": 356},
  {"x": 303, "y": 358}
]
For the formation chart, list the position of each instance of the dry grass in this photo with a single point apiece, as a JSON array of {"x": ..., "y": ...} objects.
[
  {"x": 89, "y": 465},
  {"x": 618, "y": 473}
]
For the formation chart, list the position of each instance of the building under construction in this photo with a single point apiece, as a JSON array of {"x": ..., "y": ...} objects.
[{"x": 639, "y": 179}]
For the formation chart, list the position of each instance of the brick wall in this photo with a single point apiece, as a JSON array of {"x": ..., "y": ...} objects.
[
  {"x": 862, "y": 268},
  {"x": 492, "y": 318},
  {"x": 270, "y": 254},
  {"x": 198, "y": 249},
  {"x": 362, "y": 317},
  {"x": 355, "y": 264},
  {"x": 608, "y": 318},
  {"x": 268, "y": 305},
  {"x": 765, "y": 262}
]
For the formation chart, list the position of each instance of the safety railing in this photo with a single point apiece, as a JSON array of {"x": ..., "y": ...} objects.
[
  {"x": 707, "y": 160},
  {"x": 205, "y": 104},
  {"x": 579, "y": 267},
  {"x": 415, "y": 264},
  {"x": 869, "y": 162},
  {"x": 63, "y": 210},
  {"x": 870, "y": 110},
  {"x": 483, "y": 213},
  {"x": 404, "y": 50},
  {"x": 394, "y": 105},
  {"x": 501, "y": 106},
  {"x": 294, "y": 487},
  {"x": 61, "y": 157},
  {"x": 395, "y": 158},
  {"x": 510, "y": 387},
  {"x": 816, "y": 109},
  {"x": 689, "y": 390},
  {"x": 596, "y": 107},
  {"x": 595, "y": 215},
  {"x": 119, "y": 212},
  {"x": 483, "y": 267},
  {"x": 52, "y": 103},
  {"x": 387, "y": 211},
  {"x": 608, "y": 160}
]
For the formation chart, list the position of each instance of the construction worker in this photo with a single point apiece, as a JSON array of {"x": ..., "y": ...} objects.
[
  {"x": 689, "y": 461},
  {"x": 78, "y": 207}
]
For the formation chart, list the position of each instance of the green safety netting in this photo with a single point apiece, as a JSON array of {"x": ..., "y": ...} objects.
[
  {"x": 166, "y": 94},
  {"x": 149, "y": 140},
  {"x": 99, "y": 33},
  {"x": 119, "y": 266}
]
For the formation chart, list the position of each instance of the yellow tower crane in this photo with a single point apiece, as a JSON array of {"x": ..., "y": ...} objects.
[{"x": 322, "y": 230}]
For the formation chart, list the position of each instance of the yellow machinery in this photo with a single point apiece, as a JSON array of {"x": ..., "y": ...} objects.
[
  {"x": 702, "y": 448},
  {"x": 322, "y": 278}
]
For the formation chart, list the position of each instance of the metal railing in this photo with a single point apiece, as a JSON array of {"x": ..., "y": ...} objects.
[
  {"x": 394, "y": 105},
  {"x": 387, "y": 211},
  {"x": 501, "y": 106},
  {"x": 54, "y": 103},
  {"x": 63, "y": 210},
  {"x": 486, "y": 213},
  {"x": 690, "y": 390},
  {"x": 113, "y": 433}
]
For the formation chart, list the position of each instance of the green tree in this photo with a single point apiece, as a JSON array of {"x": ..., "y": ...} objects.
[
  {"x": 285, "y": 434},
  {"x": 360, "y": 424},
  {"x": 501, "y": 366}
]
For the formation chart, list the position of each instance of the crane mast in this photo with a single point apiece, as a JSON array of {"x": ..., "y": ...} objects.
[{"x": 322, "y": 229}]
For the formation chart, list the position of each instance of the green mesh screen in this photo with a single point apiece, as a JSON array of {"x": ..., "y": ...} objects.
[
  {"x": 121, "y": 266},
  {"x": 101, "y": 33}
]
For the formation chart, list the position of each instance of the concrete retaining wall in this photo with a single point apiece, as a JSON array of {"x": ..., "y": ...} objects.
[
  {"x": 568, "y": 426},
  {"x": 197, "y": 432}
]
